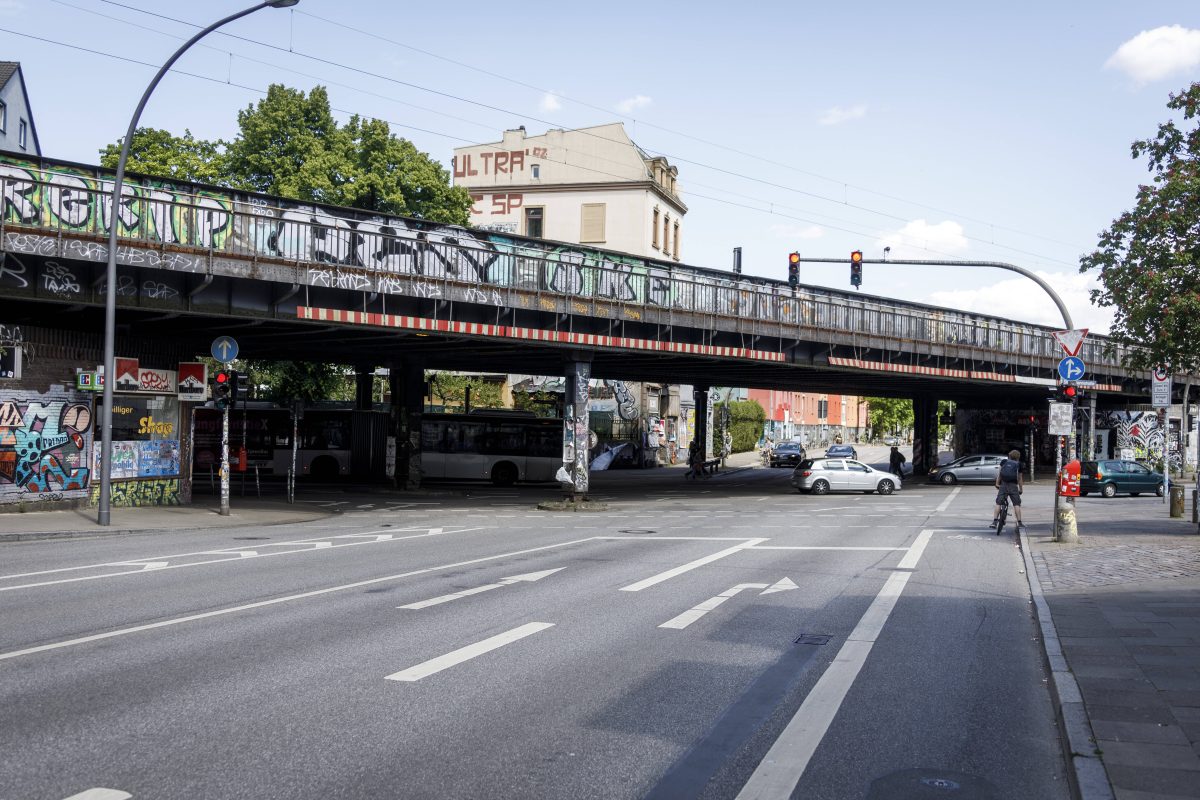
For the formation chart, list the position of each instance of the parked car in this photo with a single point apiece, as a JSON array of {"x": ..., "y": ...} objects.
[
  {"x": 1113, "y": 476},
  {"x": 978, "y": 468},
  {"x": 892, "y": 441},
  {"x": 787, "y": 454},
  {"x": 824, "y": 475},
  {"x": 841, "y": 451}
]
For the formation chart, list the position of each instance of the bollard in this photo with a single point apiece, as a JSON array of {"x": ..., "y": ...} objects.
[
  {"x": 1066, "y": 529},
  {"x": 1176, "y": 501}
]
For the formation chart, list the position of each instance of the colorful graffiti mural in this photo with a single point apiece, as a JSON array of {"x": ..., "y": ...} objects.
[
  {"x": 1144, "y": 434},
  {"x": 43, "y": 447},
  {"x": 156, "y": 492}
]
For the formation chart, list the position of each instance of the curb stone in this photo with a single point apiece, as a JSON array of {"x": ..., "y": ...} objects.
[{"x": 1087, "y": 776}]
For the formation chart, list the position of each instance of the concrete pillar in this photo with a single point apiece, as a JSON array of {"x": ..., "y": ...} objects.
[
  {"x": 703, "y": 420},
  {"x": 575, "y": 426},
  {"x": 364, "y": 384},
  {"x": 408, "y": 402},
  {"x": 925, "y": 435}
]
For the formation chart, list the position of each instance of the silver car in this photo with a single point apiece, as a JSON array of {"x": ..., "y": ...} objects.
[
  {"x": 979, "y": 468},
  {"x": 824, "y": 475}
]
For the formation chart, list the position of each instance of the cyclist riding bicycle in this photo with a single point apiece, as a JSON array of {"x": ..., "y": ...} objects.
[{"x": 1009, "y": 484}]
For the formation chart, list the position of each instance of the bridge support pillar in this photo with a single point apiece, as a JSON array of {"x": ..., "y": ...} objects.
[
  {"x": 925, "y": 435},
  {"x": 364, "y": 385},
  {"x": 407, "y": 381},
  {"x": 574, "y": 472},
  {"x": 703, "y": 417}
]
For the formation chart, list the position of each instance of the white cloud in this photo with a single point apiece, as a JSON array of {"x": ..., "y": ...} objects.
[
  {"x": 798, "y": 231},
  {"x": 838, "y": 114},
  {"x": 550, "y": 102},
  {"x": 1021, "y": 299},
  {"x": 919, "y": 239},
  {"x": 631, "y": 104},
  {"x": 1156, "y": 54}
]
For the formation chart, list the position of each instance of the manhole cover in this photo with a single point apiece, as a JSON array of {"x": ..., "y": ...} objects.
[
  {"x": 386, "y": 525},
  {"x": 249, "y": 538},
  {"x": 637, "y": 531},
  {"x": 812, "y": 638},
  {"x": 917, "y": 784}
]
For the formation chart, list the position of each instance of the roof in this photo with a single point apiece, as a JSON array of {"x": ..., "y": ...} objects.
[{"x": 7, "y": 70}]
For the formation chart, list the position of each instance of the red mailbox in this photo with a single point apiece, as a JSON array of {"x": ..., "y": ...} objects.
[
  {"x": 1068, "y": 479},
  {"x": 240, "y": 464}
]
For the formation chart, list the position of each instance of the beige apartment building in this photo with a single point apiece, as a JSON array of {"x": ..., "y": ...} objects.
[{"x": 591, "y": 186}]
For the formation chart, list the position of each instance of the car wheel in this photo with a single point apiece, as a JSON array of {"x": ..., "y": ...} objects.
[
  {"x": 1135, "y": 494},
  {"x": 1109, "y": 490},
  {"x": 1083, "y": 493},
  {"x": 820, "y": 487},
  {"x": 948, "y": 479},
  {"x": 504, "y": 474},
  {"x": 886, "y": 486},
  {"x": 1160, "y": 491}
]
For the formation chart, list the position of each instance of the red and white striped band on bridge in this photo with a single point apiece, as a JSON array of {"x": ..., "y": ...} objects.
[
  {"x": 946, "y": 372},
  {"x": 532, "y": 334}
]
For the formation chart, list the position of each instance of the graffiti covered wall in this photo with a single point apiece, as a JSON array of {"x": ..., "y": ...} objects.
[
  {"x": 45, "y": 440},
  {"x": 155, "y": 492},
  {"x": 1143, "y": 433}
]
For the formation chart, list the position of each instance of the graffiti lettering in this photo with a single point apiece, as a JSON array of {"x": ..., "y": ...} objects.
[
  {"x": 156, "y": 492},
  {"x": 59, "y": 279},
  {"x": 155, "y": 290},
  {"x": 43, "y": 445},
  {"x": 332, "y": 279}
]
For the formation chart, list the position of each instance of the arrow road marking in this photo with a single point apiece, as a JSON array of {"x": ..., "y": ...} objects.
[
  {"x": 101, "y": 794},
  {"x": 145, "y": 565},
  {"x": 456, "y": 657},
  {"x": 692, "y": 614},
  {"x": 528, "y": 577},
  {"x": 671, "y": 573}
]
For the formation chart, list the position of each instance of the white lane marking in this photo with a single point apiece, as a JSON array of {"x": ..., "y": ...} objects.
[
  {"x": 456, "y": 657},
  {"x": 144, "y": 564},
  {"x": 696, "y": 612},
  {"x": 815, "y": 547},
  {"x": 950, "y": 499},
  {"x": 691, "y": 565},
  {"x": 235, "y": 555},
  {"x": 101, "y": 794},
  {"x": 781, "y": 585},
  {"x": 528, "y": 577},
  {"x": 275, "y": 601},
  {"x": 778, "y": 774}
]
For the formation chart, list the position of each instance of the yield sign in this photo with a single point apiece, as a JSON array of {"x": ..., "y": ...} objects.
[{"x": 1071, "y": 341}]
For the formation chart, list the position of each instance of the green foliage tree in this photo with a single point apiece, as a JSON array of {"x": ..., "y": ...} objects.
[
  {"x": 284, "y": 381},
  {"x": 543, "y": 404},
  {"x": 1149, "y": 258},
  {"x": 451, "y": 389},
  {"x": 889, "y": 415},
  {"x": 746, "y": 418},
  {"x": 157, "y": 152}
]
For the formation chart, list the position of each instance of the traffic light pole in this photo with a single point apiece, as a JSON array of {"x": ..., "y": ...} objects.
[{"x": 225, "y": 462}]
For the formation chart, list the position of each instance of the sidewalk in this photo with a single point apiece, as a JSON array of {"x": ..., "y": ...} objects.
[
  {"x": 1124, "y": 647},
  {"x": 201, "y": 514}
]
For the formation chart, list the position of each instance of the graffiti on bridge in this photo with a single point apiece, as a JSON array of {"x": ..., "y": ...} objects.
[
  {"x": 156, "y": 492},
  {"x": 43, "y": 447}
]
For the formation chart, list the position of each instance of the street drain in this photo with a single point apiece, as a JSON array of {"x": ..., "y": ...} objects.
[
  {"x": 812, "y": 638},
  {"x": 637, "y": 531},
  {"x": 249, "y": 538},
  {"x": 913, "y": 784}
]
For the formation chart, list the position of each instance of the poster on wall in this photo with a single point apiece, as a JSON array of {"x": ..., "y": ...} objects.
[
  {"x": 145, "y": 437},
  {"x": 127, "y": 375},
  {"x": 193, "y": 381}
]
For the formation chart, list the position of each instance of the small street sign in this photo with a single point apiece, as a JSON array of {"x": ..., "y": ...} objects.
[
  {"x": 224, "y": 349},
  {"x": 1071, "y": 341},
  {"x": 1071, "y": 369},
  {"x": 1062, "y": 419},
  {"x": 1160, "y": 388}
]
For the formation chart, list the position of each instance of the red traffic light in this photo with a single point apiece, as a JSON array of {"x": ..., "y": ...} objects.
[
  {"x": 1069, "y": 391},
  {"x": 222, "y": 377}
]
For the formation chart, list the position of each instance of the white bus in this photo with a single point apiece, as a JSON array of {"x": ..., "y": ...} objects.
[{"x": 491, "y": 444}]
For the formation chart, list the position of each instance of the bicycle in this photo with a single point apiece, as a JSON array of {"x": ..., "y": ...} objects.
[{"x": 1000, "y": 520}]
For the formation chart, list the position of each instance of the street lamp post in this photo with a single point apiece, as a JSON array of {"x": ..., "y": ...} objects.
[{"x": 110, "y": 289}]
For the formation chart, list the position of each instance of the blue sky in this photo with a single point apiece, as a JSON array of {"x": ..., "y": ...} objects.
[{"x": 943, "y": 130}]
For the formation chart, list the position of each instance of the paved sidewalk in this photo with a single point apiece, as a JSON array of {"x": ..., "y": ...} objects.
[
  {"x": 1125, "y": 606},
  {"x": 201, "y": 514}
]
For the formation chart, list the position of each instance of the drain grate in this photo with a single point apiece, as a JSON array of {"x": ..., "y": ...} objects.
[
  {"x": 637, "y": 531},
  {"x": 813, "y": 638}
]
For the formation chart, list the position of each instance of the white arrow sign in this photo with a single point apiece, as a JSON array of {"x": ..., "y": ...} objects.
[
  {"x": 528, "y": 577},
  {"x": 695, "y": 613}
]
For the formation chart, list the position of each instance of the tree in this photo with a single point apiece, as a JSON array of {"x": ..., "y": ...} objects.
[
  {"x": 746, "y": 418},
  {"x": 1149, "y": 259},
  {"x": 889, "y": 415},
  {"x": 159, "y": 153},
  {"x": 285, "y": 381},
  {"x": 451, "y": 389}
]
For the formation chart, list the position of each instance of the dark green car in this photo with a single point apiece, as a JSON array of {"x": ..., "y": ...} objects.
[{"x": 1113, "y": 476}]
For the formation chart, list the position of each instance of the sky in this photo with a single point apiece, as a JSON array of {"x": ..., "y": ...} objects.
[{"x": 940, "y": 130}]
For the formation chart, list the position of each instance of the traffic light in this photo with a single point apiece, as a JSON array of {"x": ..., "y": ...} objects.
[
  {"x": 1066, "y": 394},
  {"x": 240, "y": 390},
  {"x": 222, "y": 388},
  {"x": 793, "y": 270},
  {"x": 856, "y": 269}
]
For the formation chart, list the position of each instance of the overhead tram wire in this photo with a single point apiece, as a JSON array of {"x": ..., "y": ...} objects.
[{"x": 552, "y": 124}]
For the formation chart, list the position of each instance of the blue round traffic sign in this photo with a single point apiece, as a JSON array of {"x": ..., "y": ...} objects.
[
  {"x": 224, "y": 349},
  {"x": 1071, "y": 368}
]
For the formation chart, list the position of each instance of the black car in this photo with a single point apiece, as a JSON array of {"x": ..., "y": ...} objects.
[
  {"x": 787, "y": 454},
  {"x": 841, "y": 451}
]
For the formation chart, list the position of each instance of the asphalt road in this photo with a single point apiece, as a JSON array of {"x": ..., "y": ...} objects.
[{"x": 719, "y": 639}]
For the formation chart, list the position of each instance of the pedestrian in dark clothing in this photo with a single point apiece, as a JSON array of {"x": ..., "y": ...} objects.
[{"x": 896, "y": 463}]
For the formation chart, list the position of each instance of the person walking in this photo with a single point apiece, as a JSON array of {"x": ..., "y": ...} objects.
[
  {"x": 1011, "y": 482},
  {"x": 896, "y": 462}
]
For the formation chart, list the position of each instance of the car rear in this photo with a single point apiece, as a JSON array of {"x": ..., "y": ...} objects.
[{"x": 804, "y": 474}]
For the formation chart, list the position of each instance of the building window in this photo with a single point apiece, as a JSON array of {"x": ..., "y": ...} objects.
[
  {"x": 535, "y": 222},
  {"x": 654, "y": 231},
  {"x": 535, "y": 171},
  {"x": 676, "y": 240},
  {"x": 666, "y": 234},
  {"x": 21, "y": 135},
  {"x": 591, "y": 228},
  {"x": 3, "y": 117}
]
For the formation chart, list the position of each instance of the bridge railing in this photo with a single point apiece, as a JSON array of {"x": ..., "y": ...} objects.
[{"x": 403, "y": 256}]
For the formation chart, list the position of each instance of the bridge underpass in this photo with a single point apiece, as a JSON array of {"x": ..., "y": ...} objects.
[{"x": 304, "y": 282}]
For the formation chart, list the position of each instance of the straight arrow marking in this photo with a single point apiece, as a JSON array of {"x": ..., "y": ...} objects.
[
  {"x": 528, "y": 577},
  {"x": 435, "y": 665}
]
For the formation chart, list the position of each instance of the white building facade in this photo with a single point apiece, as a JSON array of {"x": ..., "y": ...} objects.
[{"x": 590, "y": 186}]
